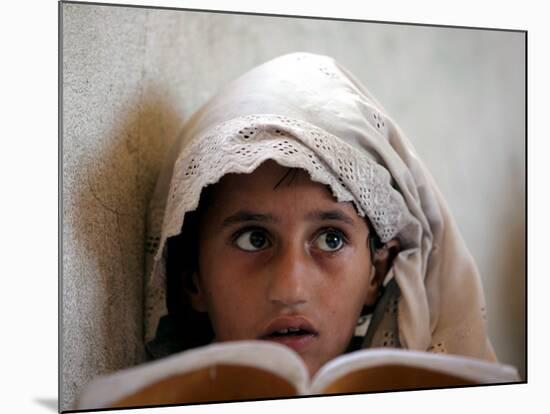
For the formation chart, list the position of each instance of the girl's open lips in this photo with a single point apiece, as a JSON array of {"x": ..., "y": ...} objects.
[
  {"x": 295, "y": 342},
  {"x": 296, "y": 332}
]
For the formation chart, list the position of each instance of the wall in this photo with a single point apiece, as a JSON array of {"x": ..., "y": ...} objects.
[{"x": 132, "y": 76}]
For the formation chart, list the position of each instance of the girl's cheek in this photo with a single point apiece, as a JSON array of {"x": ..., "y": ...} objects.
[{"x": 335, "y": 262}]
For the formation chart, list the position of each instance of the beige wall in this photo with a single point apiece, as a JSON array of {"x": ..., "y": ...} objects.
[{"x": 132, "y": 76}]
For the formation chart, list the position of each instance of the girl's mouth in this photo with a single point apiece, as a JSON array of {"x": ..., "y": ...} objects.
[{"x": 295, "y": 332}]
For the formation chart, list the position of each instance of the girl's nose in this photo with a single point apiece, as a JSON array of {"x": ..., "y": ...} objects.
[{"x": 290, "y": 277}]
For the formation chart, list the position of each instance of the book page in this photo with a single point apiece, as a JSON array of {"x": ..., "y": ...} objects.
[
  {"x": 398, "y": 369},
  {"x": 226, "y": 371},
  {"x": 216, "y": 383}
]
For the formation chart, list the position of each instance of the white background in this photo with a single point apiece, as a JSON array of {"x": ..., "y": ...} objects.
[{"x": 29, "y": 178}]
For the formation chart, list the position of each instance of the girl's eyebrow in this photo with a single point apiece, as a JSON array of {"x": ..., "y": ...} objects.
[
  {"x": 330, "y": 215},
  {"x": 243, "y": 216}
]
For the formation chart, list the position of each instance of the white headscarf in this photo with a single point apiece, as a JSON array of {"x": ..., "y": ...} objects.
[{"x": 306, "y": 111}]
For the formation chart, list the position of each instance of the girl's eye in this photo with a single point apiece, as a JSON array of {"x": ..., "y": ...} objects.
[
  {"x": 330, "y": 241},
  {"x": 252, "y": 240}
]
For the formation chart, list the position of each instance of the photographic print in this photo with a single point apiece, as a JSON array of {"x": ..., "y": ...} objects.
[{"x": 268, "y": 206}]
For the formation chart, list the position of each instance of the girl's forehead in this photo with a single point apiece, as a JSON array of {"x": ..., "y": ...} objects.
[
  {"x": 270, "y": 180},
  {"x": 282, "y": 192},
  {"x": 269, "y": 170}
]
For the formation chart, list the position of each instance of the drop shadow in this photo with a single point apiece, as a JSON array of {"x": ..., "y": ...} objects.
[{"x": 49, "y": 403}]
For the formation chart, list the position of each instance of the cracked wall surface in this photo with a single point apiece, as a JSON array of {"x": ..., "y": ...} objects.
[{"x": 131, "y": 77}]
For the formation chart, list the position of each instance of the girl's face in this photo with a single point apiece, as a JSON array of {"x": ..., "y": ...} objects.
[{"x": 286, "y": 264}]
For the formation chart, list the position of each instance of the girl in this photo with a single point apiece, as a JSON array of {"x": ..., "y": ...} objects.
[{"x": 293, "y": 209}]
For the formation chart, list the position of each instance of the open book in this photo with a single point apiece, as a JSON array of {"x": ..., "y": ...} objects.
[{"x": 257, "y": 369}]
